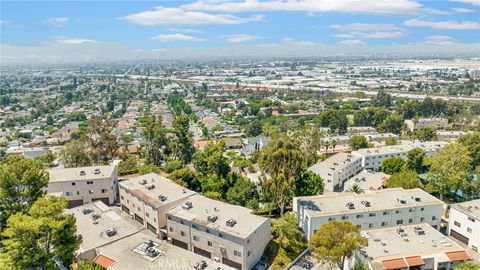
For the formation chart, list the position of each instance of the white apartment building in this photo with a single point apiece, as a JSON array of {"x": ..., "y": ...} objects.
[
  {"x": 337, "y": 169},
  {"x": 148, "y": 197},
  {"x": 84, "y": 184},
  {"x": 464, "y": 223},
  {"x": 411, "y": 247},
  {"x": 438, "y": 123},
  {"x": 449, "y": 135},
  {"x": 372, "y": 157},
  {"x": 376, "y": 209},
  {"x": 227, "y": 233}
]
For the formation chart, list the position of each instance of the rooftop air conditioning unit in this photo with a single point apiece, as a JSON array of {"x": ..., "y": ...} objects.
[
  {"x": 142, "y": 182},
  {"x": 149, "y": 187},
  {"x": 187, "y": 205},
  {"x": 162, "y": 198},
  {"x": 402, "y": 201},
  {"x": 350, "y": 205},
  {"x": 86, "y": 211},
  {"x": 111, "y": 232},
  {"x": 212, "y": 218},
  {"x": 366, "y": 203},
  {"x": 96, "y": 171},
  {"x": 417, "y": 198},
  {"x": 82, "y": 172},
  {"x": 231, "y": 222},
  {"x": 152, "y": 252}
]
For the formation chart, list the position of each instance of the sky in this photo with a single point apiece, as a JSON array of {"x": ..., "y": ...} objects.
[{"x": 88, "y": 30}]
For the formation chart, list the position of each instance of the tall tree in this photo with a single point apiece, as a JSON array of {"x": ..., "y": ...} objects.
[
  {"x": 181, "y": 125},
  {"x": 406, "y": 179},
  {"x": 211, "y": 160},
  {"x": 100, "y": 144},
  {"x": 426, "y": 134},
  {"x": 393, "y": 165},
  {"x": 283, "y": 162},
  {"x": 22, "y": 181},
  {"x": 155, "y": 140},
  {"x": 335, "y": 242},
  {"x": 285, "y": 232},
  {"x": 309, "y": 184},
  {"x": 242, "y": 191},
  {"x": 358, "y": 142},
  {"x": 74, "y": 154},
  {"x": 415, "y": 159},
  {"x": 450, "y": 170},
  {"x": 472, "y": 142},
  {"x": 393, "y": 123},
  {"x": 41, "y": 236}
]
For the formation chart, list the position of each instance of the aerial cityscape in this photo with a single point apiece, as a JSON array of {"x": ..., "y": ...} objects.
[{"x": 240, "y": 134}]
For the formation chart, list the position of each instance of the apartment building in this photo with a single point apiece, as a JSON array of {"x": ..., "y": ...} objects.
[
  {"x": 411, "y": 247},
  {"x": 337, "y": 169},
  {"x": 438, "y": 123},
  {"x": 84, "y": 184},
  {"x": 372, "y": 157},
  {"x": 376, "y": 209},
  {"x": 464, "y": 223},
  {"x": 148, "y": 197},
  {"x": 226, "y": 233},
  {"x": 449, "y": 135}
]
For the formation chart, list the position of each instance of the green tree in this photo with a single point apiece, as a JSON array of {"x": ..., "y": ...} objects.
[
  {"x": 73, "y": 154},
  {"x": 47, "y": 159},
  {"x": 188, "y": 178},
  {"x": 183, "y": 138},
  {"x": 87, "y": 265},
  {"x": 282, "y": 160},
  {"x": 22, "y": 181},
  {"x": 286, "y": 233},
  {"x": 360, "y": 263},
  {"x": 415, "y": 159},
  {"x": 155, "y": 140},
  {"x": 407, "y": 179},
  {"x": 336, "y": 120},
  {"x": 449, "y": 171},
  {"x": 211, "y": 160},
  {"x": 50, "y": 120},
  {"x": 254, "y": 129},
  {"x": 309, "y": 184},
  {"x": 391, "y": 141},
  {"x": 101, "y": 146},
  {"x": 392, "y": 165},
  {"x": 355, "y": 188},
  {"x": 358, "y": 142},
  {"x": 393, "y": 123},
  {"x": 467, "y": 265},
  {"x": 472, "y": 142},
  {"x": 128, "y": 165},
  {"x": 242, "y": 191},
  {"x": 36, "y": 238},
  {"x": 335, "y": 242},
  {"x": 110, "y": 106},
  {"x": 426, "y": 134}
]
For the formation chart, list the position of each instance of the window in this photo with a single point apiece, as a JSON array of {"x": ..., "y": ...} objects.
[
  {"x": 410, "y": 220},
  {"x": 128, "y": 201},
  {"x": 121, "y": 197},
  {"x": 434, "y": 218},
  {"x": 104, "y": 190},
  {"x": 371, "y": 214},
  {"x": 237, "y": 253},
  {"x": 220, "y": 235},
  {"x": 154, "y": 220},
  {"x": 209, "y": 231},
  {"x": 248, "y": 241},
  {"x": 359, "y": 226},
  {"x": 89, "y": 182},
  {"x": 386, "y": 213},
  {"x": 181, "y": 222},
  {"x": 456, "y": 223},
  {"x": 422, "y": 219},
  {"x": 195, "y": 226},
  {"x": 90, "y": 191},
  {"x": 195, "y": 238},
  {"x": 249, "y": 253},
  {"x": 344, "y": 217},
  {"x": 469, "y": 230},
  {"x": 169, "y": 217},
  {"x": 398, "y": 211},
  {"x": 421, "y": 209},
  {"x": 400, "y": 221},
  {"x": 170, "y": 229},
  {"x": 384, "y": 224},
  {"x": 69, "y": 193},
  {"x": 78, "y": 192},
  {"x": 138, "y": 208},
  {"x": 331, "y": 218},
  {"x": 370, "y": 225},
  {"x": 359, "y": 216},
  {"x": 411, "y": 210},
  {"x": 209, "y": 243},
  {"x": 182, "y": 233},
  {"x": 146, "y": 214}
]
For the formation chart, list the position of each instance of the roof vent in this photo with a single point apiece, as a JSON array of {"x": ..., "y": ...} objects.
[
  {"x": 419, "y": 230},
  {"x": 231, "y": 222},
  {"x": 149, "y": 187},
  {"x": 142, "y": 182},
  {"x": 152, "y": 252},
  {"x": 366, "y": 203},
  {"x": 111, "y": 232},
  {"x": 350, "y": 205},
  {"x": 86, "y": 211},
  {"x": 187, "y": 205},
  {"x": 402, "y": 201},
  {"x": 83, "y": 173},
  {"x": 162, "y": 198},
  {"x": 417, "y": 198},
  {"x": 96, "y": 171},
  {"x": 212, "y": 218}
]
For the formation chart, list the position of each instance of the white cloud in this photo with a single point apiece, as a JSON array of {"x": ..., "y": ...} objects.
[
  {"x": 398, "y": 7},
  {"x": 344, "y": 35},
  {"x": 184, "y": 30},
  {"x": 441, "y": 40},
  {"x": 58, "y": 21},
  {"x": 175, "y": 16},
  {"x": 365, "y": 27},
  {"x": 471, "y": 2},
  {"x": 351, "y": 42},
  {"x": 462, "y": 10},
  {"x": 177, "y": 37},
  {"x": 240, "y": 38},
  {"x": 369, "y": 31},
  {"x": 72, "y": 41},
  {"x": 445, "y": 25}
]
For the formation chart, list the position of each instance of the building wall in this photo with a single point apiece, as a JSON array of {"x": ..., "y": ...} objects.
[
  {"x": 87, "y": 190},
  {"x": 466, "y": 225},
  {"x": 431, "y": 214}
]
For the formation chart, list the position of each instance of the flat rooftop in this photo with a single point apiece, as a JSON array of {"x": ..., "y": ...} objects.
[
  {"x": 405, "y": 146},
  {"x": 94, "y": 235},
  {"x": 81, "y": 173},
  {"x": 202, "y": 207},
  {"x": 471, "y": 208},
  {"x": 388, "y": 243},
  {"x": 125, "y": 255},
  {"x": 367, "y": 180},
  {"x": 337, "y": 161},
  {"x": 165, "y": 187},
  {"x": 390, "y": 198}
]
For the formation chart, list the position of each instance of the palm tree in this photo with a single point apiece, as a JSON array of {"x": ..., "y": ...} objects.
[{"x": 355, "y": 189}]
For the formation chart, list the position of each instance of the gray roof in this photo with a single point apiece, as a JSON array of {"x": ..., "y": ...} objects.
[
  {"x": 471, "y": 208},
  {"x": 74, "y": 174}
]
